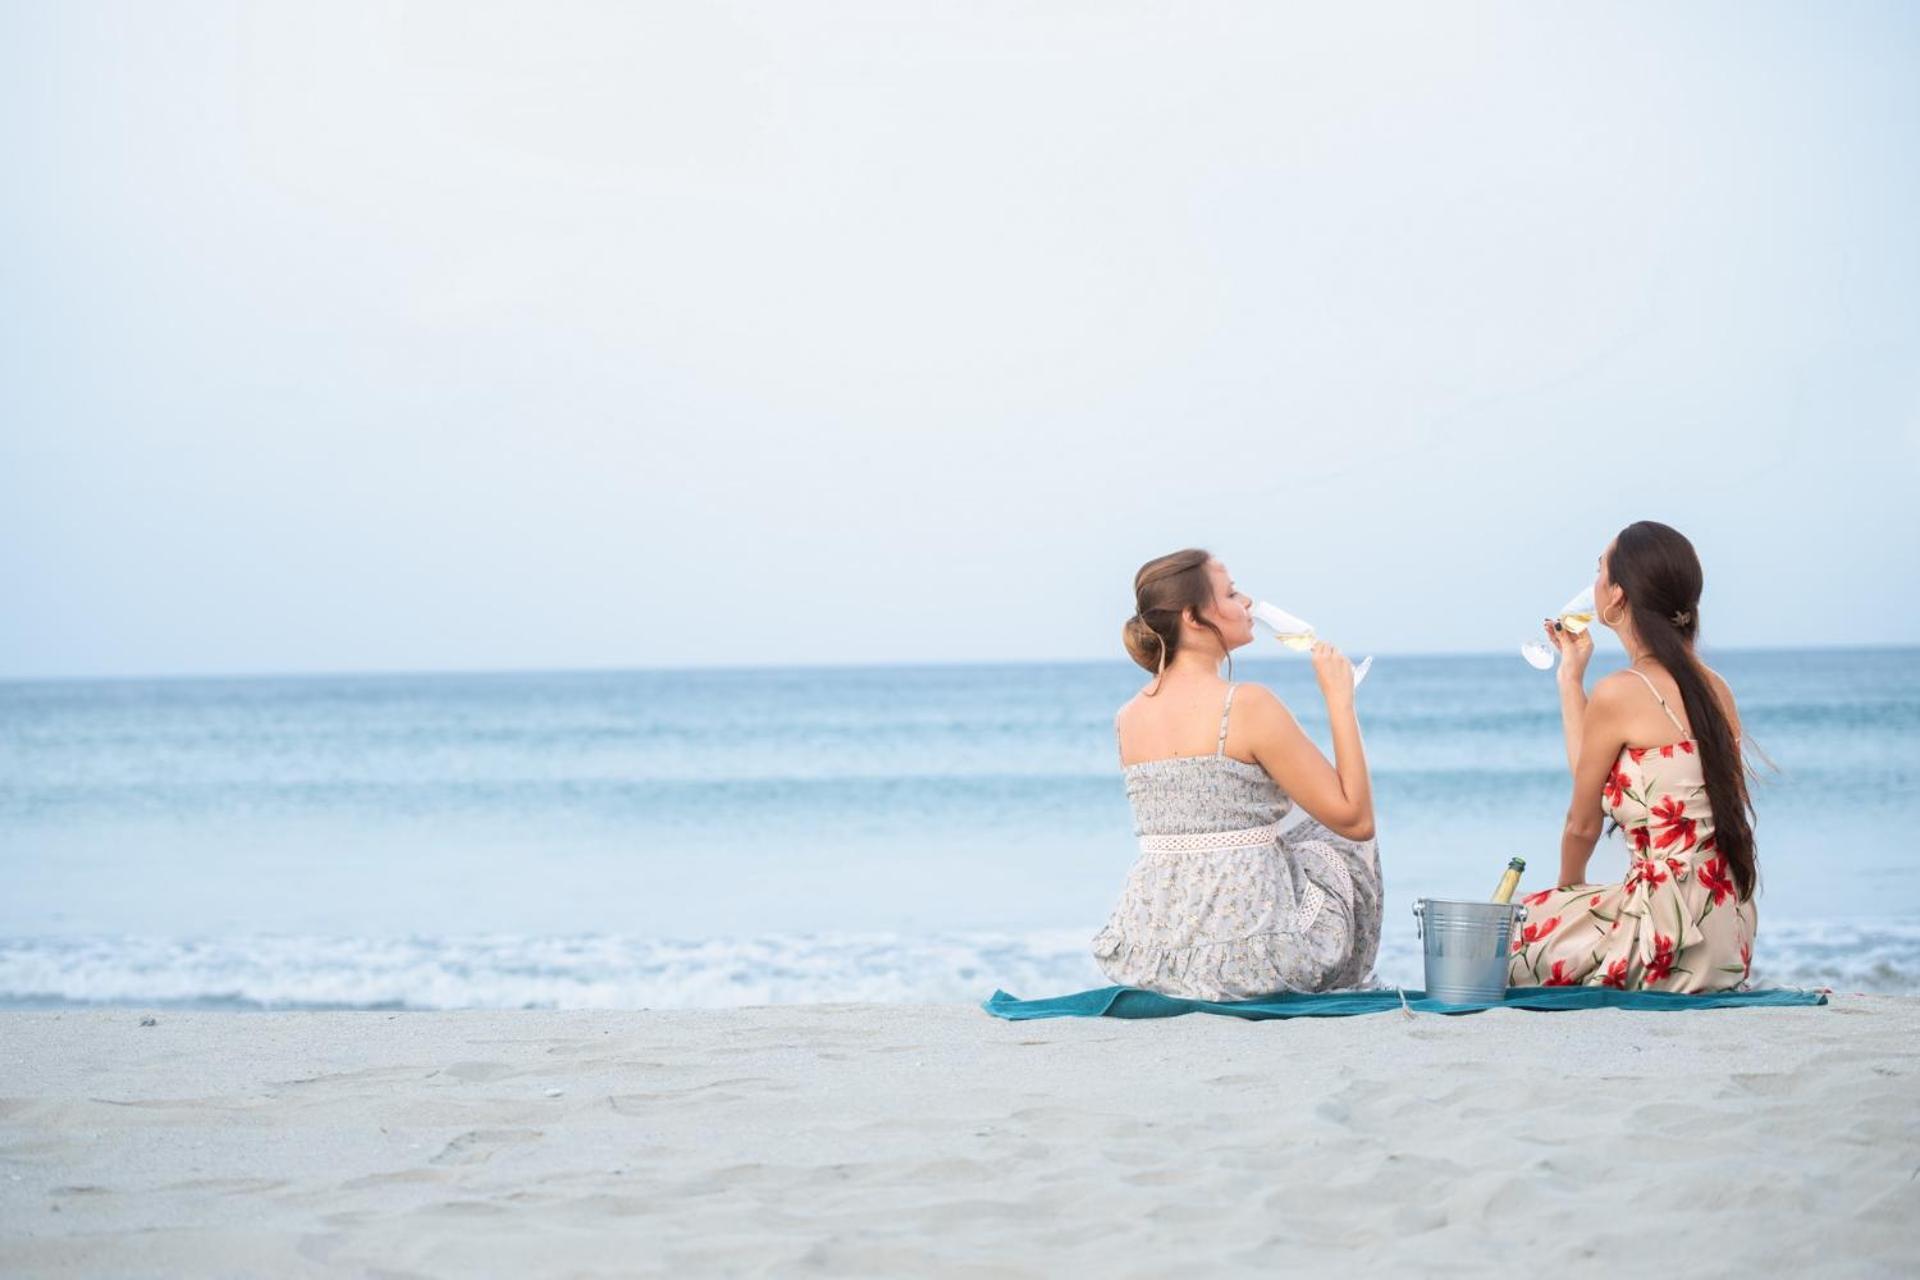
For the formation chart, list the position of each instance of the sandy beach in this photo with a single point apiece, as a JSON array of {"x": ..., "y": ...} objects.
[{"x": 937, "y": 1140}]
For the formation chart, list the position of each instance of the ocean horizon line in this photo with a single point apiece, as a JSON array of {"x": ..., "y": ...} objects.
[{"x": 734, "y": 668}]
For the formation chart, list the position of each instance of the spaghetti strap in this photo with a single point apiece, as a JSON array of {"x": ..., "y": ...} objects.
[
  {"x": 1657, "y": 698},
  {"x": 1221, "y": 749},
  {"x": 1118, "y": 748},
  {"x": 1226, "y": 900}
]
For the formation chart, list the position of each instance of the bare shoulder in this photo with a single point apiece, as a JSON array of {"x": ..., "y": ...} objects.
[
  {"x": 1259, "y": 705},
  {"x": 1615, "y": 694},
  {"x": 1616, "y": 687},
  {"x": 1248, "y": 694},
  {"x": 1720, "y": 685},
  {"x": 1138, "y": 705}
]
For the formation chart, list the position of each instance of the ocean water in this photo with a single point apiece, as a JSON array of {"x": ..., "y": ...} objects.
[{"x": 662, "y": 839}]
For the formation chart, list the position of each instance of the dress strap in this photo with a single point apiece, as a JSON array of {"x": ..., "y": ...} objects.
[
  {"x": 1221, "y": 749},
  {"x": 1118, "y": 748},
  {"x": 1657, "y": 698}
]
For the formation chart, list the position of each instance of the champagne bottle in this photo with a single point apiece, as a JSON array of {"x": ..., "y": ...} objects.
[{"x": 1510, "y": 881}]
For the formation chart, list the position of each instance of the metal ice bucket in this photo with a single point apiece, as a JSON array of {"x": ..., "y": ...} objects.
[{"x": 1466, "y": 946}]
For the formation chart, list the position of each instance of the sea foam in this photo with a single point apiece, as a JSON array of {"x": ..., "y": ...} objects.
[{"x": 598, "y": 971}]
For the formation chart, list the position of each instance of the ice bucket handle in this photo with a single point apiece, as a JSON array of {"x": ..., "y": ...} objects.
[{"x": 1420, "y": 916}]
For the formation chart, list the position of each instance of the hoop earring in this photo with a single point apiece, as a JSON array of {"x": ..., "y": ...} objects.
[{"x": 1615, "y": 623}]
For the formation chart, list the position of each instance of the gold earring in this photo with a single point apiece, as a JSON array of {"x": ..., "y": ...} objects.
[{"x": 1612, "y": 622}]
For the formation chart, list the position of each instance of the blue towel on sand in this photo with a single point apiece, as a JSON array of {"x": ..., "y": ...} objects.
[{"x": 1132, "y": 1002}]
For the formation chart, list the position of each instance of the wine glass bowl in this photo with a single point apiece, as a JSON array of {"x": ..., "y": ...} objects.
[
  {"x": 1576, "y": 615},
  {"x": 1298, "y": 634}
]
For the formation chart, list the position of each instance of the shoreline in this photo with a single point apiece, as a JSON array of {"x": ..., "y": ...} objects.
[
  {"x": 264, "y": 972},
  {"x": 937, "y": 1139}
]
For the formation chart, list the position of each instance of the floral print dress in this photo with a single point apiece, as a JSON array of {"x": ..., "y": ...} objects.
[{"x": 1676, "y": 923}]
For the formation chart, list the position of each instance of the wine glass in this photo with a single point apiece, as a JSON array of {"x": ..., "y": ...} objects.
[
  {"x": 1298, "y": 634},
  {"x": 1575, "y": 615}
]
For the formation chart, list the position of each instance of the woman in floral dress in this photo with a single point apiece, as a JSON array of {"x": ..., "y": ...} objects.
[{"x": 1657, "y": 749}]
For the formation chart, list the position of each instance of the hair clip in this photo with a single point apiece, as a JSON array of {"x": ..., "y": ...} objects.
[{"x": 1682, "y": 617}]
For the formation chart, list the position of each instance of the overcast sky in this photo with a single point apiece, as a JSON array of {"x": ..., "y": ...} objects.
[{"x": 420, "y": 336}]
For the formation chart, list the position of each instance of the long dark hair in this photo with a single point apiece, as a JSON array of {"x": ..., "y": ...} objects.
[
  {"x": 1163, "y": 590},
  {"x": 1657, "y": 569}
]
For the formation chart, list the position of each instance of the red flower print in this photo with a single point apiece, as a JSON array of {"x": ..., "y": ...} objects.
[
  {"x": 1559, "y": 977},
  {"x": 1713, "y": 874},
  {"x": 1641, "y": 838},
  {"x": 1645, "y": 871},
  {"x": 1662, "y": 963},
  {"x": 1594, "y": 901},
  {"x": 1671, "y": 814},
  {"x": 1535, "y": 899},
  {"x": 1636, "y": 754},
  {"x": 1706, "y": 846},
  {"x": 1746, "y": 958},
  {"x": 1615, "y": 788},
  {"x": 1534, "y": 932},
  {"x": 1615, "y": 976},
  {"x": 1678, "y": 867}
]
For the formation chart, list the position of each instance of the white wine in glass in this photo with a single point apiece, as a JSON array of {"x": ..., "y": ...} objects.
[
  {"x": 1298, "y": 634},
  {"x": 1576, "y": 615}
]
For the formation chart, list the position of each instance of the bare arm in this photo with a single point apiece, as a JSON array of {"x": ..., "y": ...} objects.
[
  {"x": 1603, "y": 733},
  {"x": 1573, "y": 722},
  {"x": 1572, "y": 675},
  {"x": 1339, "y": 794}
]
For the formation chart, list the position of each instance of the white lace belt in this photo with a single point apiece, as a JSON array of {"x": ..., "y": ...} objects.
[{"x": 1203, "y": 841}]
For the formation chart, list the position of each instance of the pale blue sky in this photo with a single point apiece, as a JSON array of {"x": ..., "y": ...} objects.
[{"x": 418, "y": 336}]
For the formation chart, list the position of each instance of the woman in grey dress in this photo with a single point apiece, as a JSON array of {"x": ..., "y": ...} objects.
[{"x": 1222, "y": 903}]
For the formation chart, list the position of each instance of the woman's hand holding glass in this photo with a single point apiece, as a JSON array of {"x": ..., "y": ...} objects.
[
  {"x": 1334, "y": 673},
  {"x": 1575, "y": 616},
  {"x": 1575, "y": 648},
  {"x": 1298, "y": 634}
]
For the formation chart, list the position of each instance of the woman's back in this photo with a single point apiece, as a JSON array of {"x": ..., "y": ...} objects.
[
  {"x": 1676, "y": 921},
  {"x": 1195, "y": 791},
  {"x": 1187, "y": 720},
  {"x": 1222, "y": 904}
]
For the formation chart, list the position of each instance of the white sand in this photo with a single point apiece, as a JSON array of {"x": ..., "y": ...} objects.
[{"x": 917, "y": 1140}]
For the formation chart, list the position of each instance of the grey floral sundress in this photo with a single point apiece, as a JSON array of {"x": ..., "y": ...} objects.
[{"x": 1222, "y": 904}]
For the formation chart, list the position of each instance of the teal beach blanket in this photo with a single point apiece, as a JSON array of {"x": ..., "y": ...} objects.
[{"x": 1131, "y": 1002}]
